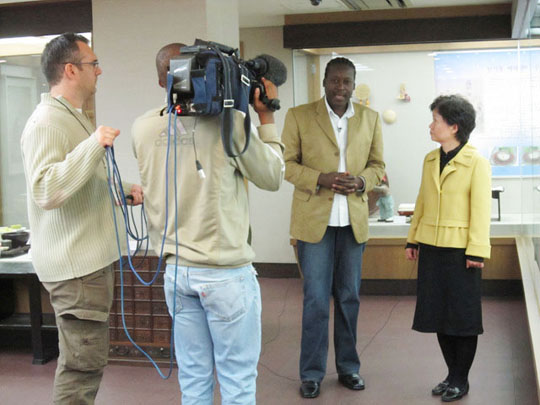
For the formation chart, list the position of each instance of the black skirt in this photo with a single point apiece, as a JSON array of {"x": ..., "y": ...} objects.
[{"x": 448, "y": 294}]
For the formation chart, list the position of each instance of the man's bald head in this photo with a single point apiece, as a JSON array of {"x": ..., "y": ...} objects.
[{"x": 162, "y": 61}]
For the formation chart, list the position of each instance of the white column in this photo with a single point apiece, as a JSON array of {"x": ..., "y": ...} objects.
[
  {"x": 126, "y": 36},
  {"x": 222, "y": 22}
]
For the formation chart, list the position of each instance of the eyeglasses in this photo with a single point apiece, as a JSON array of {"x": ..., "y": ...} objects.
[{"x": 95, "y": 63}]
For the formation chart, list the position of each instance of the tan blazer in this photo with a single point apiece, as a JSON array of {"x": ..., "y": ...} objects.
[
  {"x": 453, "y": 209},
  {"x": 311, "y": 149}
]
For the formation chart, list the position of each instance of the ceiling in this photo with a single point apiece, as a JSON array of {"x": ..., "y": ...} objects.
[{"x": 261, "y": 13}]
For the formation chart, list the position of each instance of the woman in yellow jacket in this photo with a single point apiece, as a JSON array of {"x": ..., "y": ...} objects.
[{"x": 449, "y": 235}]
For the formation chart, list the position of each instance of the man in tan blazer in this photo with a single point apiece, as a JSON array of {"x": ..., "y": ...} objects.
[{"x": 333, "y": 156}]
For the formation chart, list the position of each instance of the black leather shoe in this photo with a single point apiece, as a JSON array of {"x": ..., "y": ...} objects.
[
  {"x": 310, "y": 389},
  {"x": 352, "y": 381},
  {"x": 454, "y": 393},
  {"x": 440, "y": 388}
]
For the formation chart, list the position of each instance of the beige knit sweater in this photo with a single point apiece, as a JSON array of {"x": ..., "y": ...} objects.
[
  {"x": 69, "y": 207},
  {"x": 213, "y": 213}
]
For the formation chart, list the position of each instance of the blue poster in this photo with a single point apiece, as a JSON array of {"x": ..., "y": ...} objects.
[{"x": 504, "y": 87}]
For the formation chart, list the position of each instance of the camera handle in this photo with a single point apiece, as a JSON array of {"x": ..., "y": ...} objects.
[{"x": 271, "y": 103}]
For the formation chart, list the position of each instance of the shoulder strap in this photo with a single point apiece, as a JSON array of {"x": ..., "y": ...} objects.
[{"x": 227, "y": 116}]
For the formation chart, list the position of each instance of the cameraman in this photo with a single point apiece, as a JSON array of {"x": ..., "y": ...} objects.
[{"x": 217, "y": 301}]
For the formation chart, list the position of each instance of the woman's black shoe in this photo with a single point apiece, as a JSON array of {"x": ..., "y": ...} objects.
[
  {"x": 440, "y": 388},
  {"x": 454, "y": 393}
]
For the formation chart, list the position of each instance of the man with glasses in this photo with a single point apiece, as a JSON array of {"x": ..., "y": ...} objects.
[{"x": 70, "y": 215}]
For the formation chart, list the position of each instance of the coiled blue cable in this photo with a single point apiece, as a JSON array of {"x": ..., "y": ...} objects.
[{"x": 116, "y": 176}]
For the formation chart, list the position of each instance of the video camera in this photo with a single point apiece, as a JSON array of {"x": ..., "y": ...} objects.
[
  {"x": 210, "y": 79},
  {"x": 199, "y": 78}
]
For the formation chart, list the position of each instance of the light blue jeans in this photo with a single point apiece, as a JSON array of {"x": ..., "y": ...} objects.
[{"x": 217, "y": 325}]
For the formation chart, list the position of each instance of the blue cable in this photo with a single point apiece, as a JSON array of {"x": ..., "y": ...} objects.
[
  {"x": 116, "y": 177},
  {"x": 120, "y": 197},
  {"x": 123, "y": 206},
  {"x": 109, "y": 156},
  {"x": 111, "y": 161}
]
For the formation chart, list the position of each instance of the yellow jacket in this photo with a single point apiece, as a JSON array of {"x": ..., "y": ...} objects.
[
  {"x": 311, "y": 149},
  {"x": 453, "y": 209}
]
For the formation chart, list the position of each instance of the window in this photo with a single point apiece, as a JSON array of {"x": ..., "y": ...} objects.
[{"x": 21, "y": 83}]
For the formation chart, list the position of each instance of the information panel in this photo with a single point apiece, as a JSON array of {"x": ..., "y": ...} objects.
[{"x": 504, "y": 87}]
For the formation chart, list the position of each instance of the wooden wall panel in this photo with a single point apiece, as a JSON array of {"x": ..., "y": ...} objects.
[
  {"x": 384, "y": 258},
  {"x": 45, "y": 18},
  {"x": 391, "y": 32}
]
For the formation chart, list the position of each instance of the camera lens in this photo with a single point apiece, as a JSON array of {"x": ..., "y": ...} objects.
[{"x": 316, "y": 2}]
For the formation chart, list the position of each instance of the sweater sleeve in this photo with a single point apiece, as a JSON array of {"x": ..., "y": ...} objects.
[
  {"x": 479, "y": 243},
  {"x": 262, "y": 163},
  {"x": 54, "y": 172}
]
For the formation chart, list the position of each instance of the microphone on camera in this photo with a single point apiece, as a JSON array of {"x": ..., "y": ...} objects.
[{"x": 270, "y": 68}]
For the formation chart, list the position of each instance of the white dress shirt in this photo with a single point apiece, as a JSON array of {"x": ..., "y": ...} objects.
[{"x": 339, "y": 216}]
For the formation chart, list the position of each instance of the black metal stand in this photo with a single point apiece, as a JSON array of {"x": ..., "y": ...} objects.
[
  {"x": 496, "y": 195},
  {"x": 41, "y": 355},
  {"x": 34, "y": 321}
]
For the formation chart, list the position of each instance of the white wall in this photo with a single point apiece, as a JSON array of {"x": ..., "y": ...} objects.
[
  {"x": 222, "y": 22},
  {"x": 127, "y": 35},
  {"x": 270, "y": 212},
  {"x": 301, "y": 78},
  {"x": 407, "y": 140}
]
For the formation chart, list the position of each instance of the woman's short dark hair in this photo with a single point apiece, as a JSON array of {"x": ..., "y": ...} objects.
[
  {"x": 457, "y": 110},
  {"x": 58, "y": 51},
  {"x": 340, "y": 61}
]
